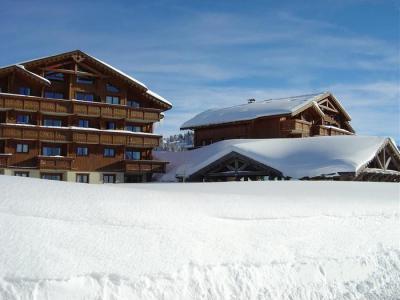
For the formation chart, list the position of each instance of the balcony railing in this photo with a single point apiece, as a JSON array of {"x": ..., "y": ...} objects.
[
  {"x": 328, "y": 130},
  {"x": 73, "y": 107},
  {"x": 295, "y": 126},
  {"x": 55, "y": 162},
  {"x": 144, "y": 166},
  {"x": 78, "y": 136}
]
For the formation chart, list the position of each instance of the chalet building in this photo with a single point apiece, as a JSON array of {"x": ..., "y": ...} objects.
[
  {"x": 299, "y": 116},
  {"x": 73, "y": 117}
]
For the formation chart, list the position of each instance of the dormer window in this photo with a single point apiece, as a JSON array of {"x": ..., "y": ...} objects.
[
  {"x": 133, "y": 103},
  {"x": 54, "y": 76},
  {"x": 112, "y": 88},
  {"x": 84, "y": 80},
  {"x": 24, "y": 91}
]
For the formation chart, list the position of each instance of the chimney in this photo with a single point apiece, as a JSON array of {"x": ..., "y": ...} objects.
[{"x": 251, "y": 100}]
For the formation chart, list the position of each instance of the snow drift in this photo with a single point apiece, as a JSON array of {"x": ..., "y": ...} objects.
[{"x": 247, "y": 240}]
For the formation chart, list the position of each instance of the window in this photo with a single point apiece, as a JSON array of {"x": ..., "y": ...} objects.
[
  {"x": 82, "y": 151},
  {"x": 112, "y": 99},
  {"x": 84, "y": 80},
  {"x": 21, "y": 174},
  {"x": 23, "y": 119},
  {"x": 22, "y": 148},
  {"x": 112, "y": 88},
  {"x": 53, "y": 95},
  {"x": 108, "y": 178},
  {"x": 54, "y": 76},
  {"x": 84, "y": 96},
  {"x": 83, "y": 123},
  {"x": 50, "y": 176},
  {"x": 24, "y": 91},
  {"x": 109, "y": 152},
  {"x": 111, "y": 125},
  {"x": 133, "y": 103},
  {"x": 83, "y": 178},
  {"x": 52, "y": 122},
  {"x": 51, "y": 151},
  {"x": 133, "y": 128},
  {"x": 132, "y": 154}
]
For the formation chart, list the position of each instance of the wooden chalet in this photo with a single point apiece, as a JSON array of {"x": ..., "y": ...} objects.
[
  {"x": 73, "y": 117},
  {"x": 299, "y": 116}
]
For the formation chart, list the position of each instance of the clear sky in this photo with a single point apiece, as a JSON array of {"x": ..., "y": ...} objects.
[{"x": 207, "y": 54}]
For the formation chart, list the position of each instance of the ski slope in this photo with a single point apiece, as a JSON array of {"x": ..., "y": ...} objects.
[{"x": 240, "y": 240}]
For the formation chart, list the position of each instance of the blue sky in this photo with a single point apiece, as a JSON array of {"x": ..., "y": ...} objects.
[{"x": 206, "y": 54}]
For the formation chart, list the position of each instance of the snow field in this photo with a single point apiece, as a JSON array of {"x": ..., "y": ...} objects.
[{"x": 246, "y": 240}]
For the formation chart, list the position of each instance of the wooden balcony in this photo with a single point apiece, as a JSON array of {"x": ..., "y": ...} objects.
[
  {"x": 73, "y": 107},
  {"x": 105, "y": 138},
  {"x": 55, "y": 162},
  {"x": 144, "y": 166},
  {"x": 327, "y": 130},
  {"x": 65, "y": 135},
  {"x": 103, "y": 110},
  {"x": 34, "y": 133},
  {"x": 295, "y": 127},
  {"x": 4, "y": 160}
]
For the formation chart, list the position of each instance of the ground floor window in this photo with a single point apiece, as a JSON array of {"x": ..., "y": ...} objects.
[
  {"x": 21, "y": 174},
  {"x": 51, "y": 176},
  {"x": 109, "y": 178},
  {"x": 84, "y": 178}
]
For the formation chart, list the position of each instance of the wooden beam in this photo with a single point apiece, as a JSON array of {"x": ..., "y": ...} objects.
[
  {"x": 90, "y": 68},
  {"x": 59, "y": 65},
  {"x": 73, "y": 72}
]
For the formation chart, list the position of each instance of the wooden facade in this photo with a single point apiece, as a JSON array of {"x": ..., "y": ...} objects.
[
  {"x": 324, "y": 117},
  {"x": 71, "y": 113}
]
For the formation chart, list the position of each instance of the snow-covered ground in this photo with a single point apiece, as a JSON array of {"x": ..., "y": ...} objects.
[{"x": 241, "y": 240}]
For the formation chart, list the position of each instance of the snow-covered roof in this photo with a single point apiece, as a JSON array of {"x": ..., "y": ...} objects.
[
  {"x": 295, "y": 157},
  {"x": 130, "y": 78},
  {"x": 158, "y": 97},
  {"x": 27, "y": 72},
  {"x": 250, "y": 111}
]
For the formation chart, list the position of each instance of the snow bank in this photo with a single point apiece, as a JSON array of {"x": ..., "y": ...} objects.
[{"x": 248, "y": 240}]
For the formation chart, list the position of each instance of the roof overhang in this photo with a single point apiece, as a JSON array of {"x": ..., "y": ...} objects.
[{"x": 80, "y": 54}]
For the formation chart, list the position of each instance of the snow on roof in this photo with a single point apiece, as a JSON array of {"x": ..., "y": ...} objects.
[
  {"x": 252, "y": 111},
  {"x": 155, "y": 95},
  {"x": 117, "y": 70},
  {"x": 158, "y": 97},
  {"x": 22, "y": 68},
  {"x": 34, "y": 74},
  {"x": 295, "y": 157}
]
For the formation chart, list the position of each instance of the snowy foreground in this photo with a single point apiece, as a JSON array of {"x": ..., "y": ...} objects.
[{"x": 246, "y": 240}]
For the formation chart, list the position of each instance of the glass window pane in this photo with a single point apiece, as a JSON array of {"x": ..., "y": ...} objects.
[
  {"x": 24, "y": 91},
  {"x": 111, "y": 88},
  {"x": 133, "y": 103},
  {"x": 84, "y": 80}
]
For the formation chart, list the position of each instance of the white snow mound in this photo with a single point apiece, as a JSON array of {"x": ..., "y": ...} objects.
[{"x": 246, "y": 240}]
